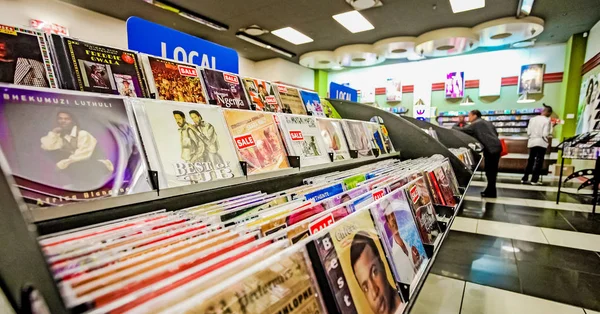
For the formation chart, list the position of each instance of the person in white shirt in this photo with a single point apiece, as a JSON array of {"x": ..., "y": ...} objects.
[{"x": 539, "y": 129}]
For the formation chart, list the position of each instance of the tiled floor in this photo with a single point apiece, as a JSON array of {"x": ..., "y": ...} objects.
[{"x": 518, "y": 253}]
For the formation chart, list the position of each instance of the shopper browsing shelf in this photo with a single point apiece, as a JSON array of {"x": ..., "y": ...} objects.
[
  {"x": 485, "y": 132},
  {"x": 539, "y": 129},
  {"x": 461, "y": 122}
]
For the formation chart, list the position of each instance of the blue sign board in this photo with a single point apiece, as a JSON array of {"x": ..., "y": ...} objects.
[
  {"x": 161, "y": 41},
  {"x": 338, "y": 91}
]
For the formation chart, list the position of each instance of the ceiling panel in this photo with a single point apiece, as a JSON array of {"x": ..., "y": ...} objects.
[{"x": 313, "y": 18}]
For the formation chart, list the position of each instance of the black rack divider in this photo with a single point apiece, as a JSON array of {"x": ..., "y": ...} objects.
[
  {"x": 294, "y": 161},
  {"x": 23, "y": 267},
  {"x": 268, "y": 185},
  {"x": 353, "y": 153},
  {"x": 408, "y": 138}
]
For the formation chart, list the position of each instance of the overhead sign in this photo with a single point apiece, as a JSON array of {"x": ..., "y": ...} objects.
[
  {"x": 338, "y": 91},
  {"x": 161, "y": 41}
]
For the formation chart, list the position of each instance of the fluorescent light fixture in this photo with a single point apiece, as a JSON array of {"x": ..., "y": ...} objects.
[
  {"x": 467, "y": 101},
  {"x": 165, "y": 5},
  {"x": 525, "y": 8},
  {"x": 292, "y": 35},
  {"x": 353, "y": 21},
  {"x": 466, "y": 5},
  {"x": 264, "y": 44},
  {"x": 523, "y": 99}
]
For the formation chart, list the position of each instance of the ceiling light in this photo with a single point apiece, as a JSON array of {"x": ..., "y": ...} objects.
[
  {"x": 353, "y": 21},
  {"x": 466, "y": 5},
  {"x": 263, "y": 44},
  {"x": 525, "y": 7},
  {"x": 524, "y": 44},
  {"x": 467, "y": 101},
  {"x": 523, "y": 99},
  {"x": 254, "y": 30},
  {"x": 165, "y": 5},
  {"x": 292, "y": 35}
]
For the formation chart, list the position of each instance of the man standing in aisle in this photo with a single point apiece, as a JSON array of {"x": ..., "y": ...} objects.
[
  {"x": 539, "y": 129},
  {"x": 485, "y": 132}
]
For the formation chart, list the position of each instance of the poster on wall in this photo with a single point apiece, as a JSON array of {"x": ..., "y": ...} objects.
[
  {"x": 367, "y": 96},
  {"x": 531, "y": 79},
  {"x": 393, "y": 90},
  {"x": 455, "y": 85},
  {"x": 589, "y": 103}
]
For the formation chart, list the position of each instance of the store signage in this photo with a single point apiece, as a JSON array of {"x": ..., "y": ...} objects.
[
  {"x": 49, "y": 28},
  {"x": 158, "y": 40},
  {"x": 338, "y": 91}
]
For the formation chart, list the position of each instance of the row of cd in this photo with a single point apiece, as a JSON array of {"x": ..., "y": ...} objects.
[
  {"x": 66, "y": 147},
  {"x": 62, "y": 62},
  {"x": 344, "y": 242}
]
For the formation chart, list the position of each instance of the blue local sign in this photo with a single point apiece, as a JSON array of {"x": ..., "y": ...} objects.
[
  {"x": 158, "y": 40},
  {"x": 338, "y": 91}
]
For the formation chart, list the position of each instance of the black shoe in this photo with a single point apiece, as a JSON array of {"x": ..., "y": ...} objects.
[{"x": 488, "y": 195}]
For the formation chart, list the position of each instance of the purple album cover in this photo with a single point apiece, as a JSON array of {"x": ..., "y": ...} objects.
[
  {"x": 225, "y": 89},
  {"x": 455, "y": 85},
  {"x": 64, "y": 147}
]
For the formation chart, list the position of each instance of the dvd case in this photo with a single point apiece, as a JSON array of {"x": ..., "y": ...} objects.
[
  {"x": 290, "y": 99},
  {"x": 96, "y": 68},
  {"x": 257, "y": 140},
  {"x": 329, "y": 109},
  {"x": 173, "y": 80},
  {"x": 312, "y": 102},
  {"x": 262, "y": 95},
  {"x": 423, "y": 211},
  {"x": 374, "y": 130},
  {"x": 193, "y": 147},
  {"x": 225, "y": 89},
  {"x": 303, "y": 138},
  {"x": 333, "y": 135},
  {"x": 70, "y": 147},
  {"x": 25, "y": 58},
  {"x": 357, "y": 137}
]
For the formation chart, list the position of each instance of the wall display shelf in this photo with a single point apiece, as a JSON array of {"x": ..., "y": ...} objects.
[{"x": 507, "y": 122}]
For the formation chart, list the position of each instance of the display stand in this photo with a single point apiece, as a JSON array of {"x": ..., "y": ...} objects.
[{"x": 593, "y": 181}]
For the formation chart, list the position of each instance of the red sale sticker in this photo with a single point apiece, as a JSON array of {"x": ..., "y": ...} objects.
[
  {"x": 282, "y": 89},
  {"x": 320, "y": 224},
  {"x": 296, "y": 136},
  {"x": 127, "y": 58},
  {"x": 414, "y": 194},
  {"x": 229, "y": 78},
  {"x": 244, "y": 141},
  {"x": 377, "y": 195},
  {"x": 187, "y": 71},
  {"x": 271, "y": 100}
]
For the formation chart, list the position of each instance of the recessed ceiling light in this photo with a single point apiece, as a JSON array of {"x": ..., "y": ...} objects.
[
  {"x": 292, "y": 35},
  {"x": 501, "y": 36},
  {"x": 466, "y": 5},
  {"x": 353, "y": 21}
]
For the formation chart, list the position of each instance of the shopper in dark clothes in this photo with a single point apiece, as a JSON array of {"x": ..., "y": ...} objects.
[
  {"x": 461, "y": 122},
  {"x": 485, "y": 132}
]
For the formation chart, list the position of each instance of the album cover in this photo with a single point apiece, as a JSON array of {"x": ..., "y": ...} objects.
[
  {"x": 70, "y": 147},
  {"x": 225, "y": 89},
  {"x": 357, "y": 137},
  {"x": 364, "y": 265},
  {"x": 173, "y": 80},
  {"x": 353, "y": 181},
  {"x": 303, "y": 138},
  {"x": 95, "y": 68},
  {"x": 423, "y": 211},
  {"x": 333, "y": 135},
  {"x": 396, "y": 225},
  {"x": 290, "y": 99},
  {"x": 387, "y": 141},
  {"x": 26, "y": 59},
  {"x": 257, "y": 140},
  {"x": 375, "y": 131},
  {"x": 262, "y": 95},
  {"x": 434, "y": 190},
  {"x": 329, "y": 109},
  {"x": 531, "y": 79},
  {"x": 312, "y": 102},
  {"x": 344, "y": 197},
  {"x": 450, "y": 174},
  {"x": 191, "y": 143},
  {"x": 445, "y": 186},
  {"x": 325, "y": 192}
]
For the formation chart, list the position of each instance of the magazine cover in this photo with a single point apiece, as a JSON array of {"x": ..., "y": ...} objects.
[
  {"x": 25, "y": 58},
  {"x": 173, "y": 80},
  {"x": 329, "y": 110},
  {"x": 375, "y": 132},
  {"x": 262, "y": 95},
  {"x": 290, "y": 99},
  {"x": 333, "y": 135},
  {"x": 445, "y": 186},
  {"x": 191, "y": 142},
  {"x": 423, "y": 211},
  {"x": 101, "y": 69},
  {"x": 357, "y": 137},
  {"x": 312, "y": 102},
  {"x": 257, "y": 140},
  {"x": 225, "y": 89},
  {"x": 364, "y": 265},
  {"x": 66, "y": 147},
  {"x": 303, "y": 138},
  {"x": 401, "y": 239}
]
